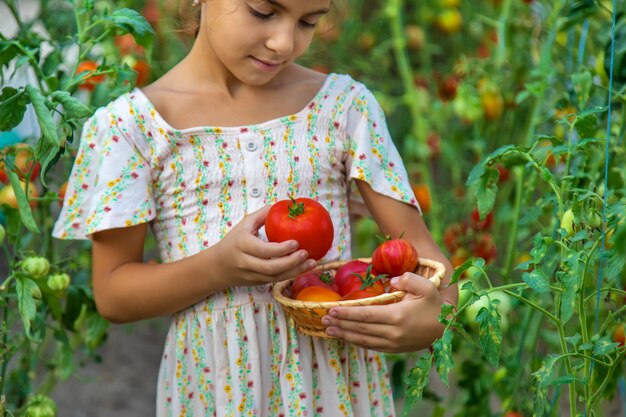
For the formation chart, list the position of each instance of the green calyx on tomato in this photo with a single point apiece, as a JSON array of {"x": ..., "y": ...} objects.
[
  {"x": 370, "y": 279},
  {"x": 41, "y": 406},
  {"x": 35, "y": 266},
  {"x": 59, "y": 282}
]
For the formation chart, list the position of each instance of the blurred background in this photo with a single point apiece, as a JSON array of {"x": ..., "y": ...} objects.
[{"x": 500, "y": 109}]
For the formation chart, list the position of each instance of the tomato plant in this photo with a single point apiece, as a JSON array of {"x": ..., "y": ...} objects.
[{"x": 304, "y": 220}]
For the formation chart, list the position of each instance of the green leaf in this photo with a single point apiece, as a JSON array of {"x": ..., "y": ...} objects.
[
  {"x": 447, "y": 311},
  {"x": 458, "y": 271},
  {"x": 444, "y": 361},
  {"x": 539, "y": 249},
  {"x": 12, "y": 108},
  {"x": 27, "y": 290},
  {"x": 97, "y": 327},
  {"x": 416, "y": 381},
  {"x": 542, "y": 380},
  {"x": 44, "y": 116},
  {"x": 131, "y": 21},
  {"x": 26, "y": 215},
  {"x": 586, "y": 126},
  {"x": 489, "y": 332},
  {"x": 8, "y": 51},
  {"x": 604, "y": 346},
  {"x": 537, "y": 280},
  {"x": 486, "y": 191},
  {"x": 73, "y": 107}
]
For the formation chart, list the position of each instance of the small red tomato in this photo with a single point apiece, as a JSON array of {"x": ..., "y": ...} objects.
[
  {"x": 363, "y": 281},
  {"x": 313, "y": 278},
  {"x": 394, "y": 257},
  {"x": 481, "y": 224},
  {"x": 304, "y": 220},
  {"x": 358, "y": 294},
  {"x": 485, "y": 248}
]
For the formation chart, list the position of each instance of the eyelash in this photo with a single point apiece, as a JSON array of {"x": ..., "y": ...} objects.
[{"x": 264, "y": 16}]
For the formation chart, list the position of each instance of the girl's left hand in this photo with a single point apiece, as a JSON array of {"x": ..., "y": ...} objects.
[{"x": 406, "y": 326}]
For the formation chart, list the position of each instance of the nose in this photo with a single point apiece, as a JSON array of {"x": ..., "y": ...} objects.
[{"x": 281, "y": 39}]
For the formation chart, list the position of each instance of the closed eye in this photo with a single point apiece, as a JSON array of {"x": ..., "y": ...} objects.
[{"x": 259, "y": 15}]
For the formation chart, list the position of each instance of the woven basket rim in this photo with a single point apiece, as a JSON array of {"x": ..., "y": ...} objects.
[{"x": 278, "y": 287}]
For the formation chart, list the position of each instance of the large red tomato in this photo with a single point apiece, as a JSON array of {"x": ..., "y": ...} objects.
[
  {"x": 395, "y": 257},
  {"x": 313, "y": 278},
  {"x": 304, "y": 220}
]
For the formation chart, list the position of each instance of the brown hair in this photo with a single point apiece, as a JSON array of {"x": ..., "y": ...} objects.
[{"x": 189, "y": 18}]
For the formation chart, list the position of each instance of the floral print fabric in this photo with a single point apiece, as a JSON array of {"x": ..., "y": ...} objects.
[{"x": 236, "y": 353}]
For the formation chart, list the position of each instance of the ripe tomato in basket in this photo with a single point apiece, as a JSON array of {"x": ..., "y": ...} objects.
[
  {"x": 304, "y": 220},
  {"x": 347, "y": 271},
  {"x": 313, "y": 278},
  {"x": 394, "y": 257},
  {"x": 315, "y": 293},
  {"x": 367, "y": 280},
  {"x": 358, "y": 295}
]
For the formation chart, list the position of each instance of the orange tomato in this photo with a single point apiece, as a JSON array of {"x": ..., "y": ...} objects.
[
  {"x": 89, "y": 82},
  {"x": 62, "y": 191},
  {"x": 422, "y": 194},
  {"x": 7, "y": 195},
  {"x": 317, "y": 293},
  {"x": 492, "y": 104},
  {"x": 142, "y": 69}
]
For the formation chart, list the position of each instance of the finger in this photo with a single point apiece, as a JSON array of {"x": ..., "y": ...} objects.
[
  {"x": 267, "y": 250},
  {"x": 365, "y": 340},
  {"x": 380, "y": 314},
  {"x": 414, "y": 284},
  {"x": 255, "y": 220},
  {"x": 279, "y": 267},
  {"x": 384, "y": 331}
]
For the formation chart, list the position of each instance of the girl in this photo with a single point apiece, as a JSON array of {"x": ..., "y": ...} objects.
[{"x": 200, "y": 155}]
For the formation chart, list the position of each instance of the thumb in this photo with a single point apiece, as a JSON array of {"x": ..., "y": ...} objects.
[
  {"x": 256, "y": 220},
  {"x": 412, "y": 283}
]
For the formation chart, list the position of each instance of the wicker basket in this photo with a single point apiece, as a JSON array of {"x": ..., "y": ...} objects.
[{"x": 307, "y": 315}]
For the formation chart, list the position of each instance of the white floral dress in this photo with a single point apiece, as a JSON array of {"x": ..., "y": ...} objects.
[{"x": 236, "y": 353}]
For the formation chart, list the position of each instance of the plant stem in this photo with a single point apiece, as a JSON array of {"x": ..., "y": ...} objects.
[{"x": 517, "y": 207}]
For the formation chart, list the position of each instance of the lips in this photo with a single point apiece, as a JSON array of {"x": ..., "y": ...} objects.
[{"x": 266, "y": 65}]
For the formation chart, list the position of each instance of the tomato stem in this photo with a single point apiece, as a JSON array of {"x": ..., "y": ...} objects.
[{"x": 295, "y": 209}]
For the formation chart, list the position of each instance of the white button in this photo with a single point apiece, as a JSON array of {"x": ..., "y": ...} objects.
[
  {"x": 251, "y": 146},
  {"x": 255, "y": 192}
]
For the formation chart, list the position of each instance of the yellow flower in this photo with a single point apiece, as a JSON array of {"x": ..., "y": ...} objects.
[
  {"x": 293, "y": 117},
  {"x": 227, "y": 388}
]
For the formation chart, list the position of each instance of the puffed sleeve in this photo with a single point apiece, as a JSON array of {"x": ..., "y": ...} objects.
[
  {"x": 110, "y": 183},
  {"x": 372, "y": 155}
]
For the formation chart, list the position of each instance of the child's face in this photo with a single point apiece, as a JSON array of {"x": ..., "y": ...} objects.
[{"x": 255, "y": 39}]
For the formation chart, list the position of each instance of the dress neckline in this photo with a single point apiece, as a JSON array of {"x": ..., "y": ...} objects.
[{"x": 161, "y": 122}]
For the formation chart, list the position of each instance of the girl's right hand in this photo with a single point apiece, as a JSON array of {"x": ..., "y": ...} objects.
[{"x": 250, "y": 261}]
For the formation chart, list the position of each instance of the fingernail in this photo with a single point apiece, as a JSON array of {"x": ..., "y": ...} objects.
[
  {"x": 330, "y": 331},
  {"x": 326, "y": 321},
  {"x": 333, "y": 313},
  {"x": 293, "y": 244},
  {"x": 394, "y": 280}
]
